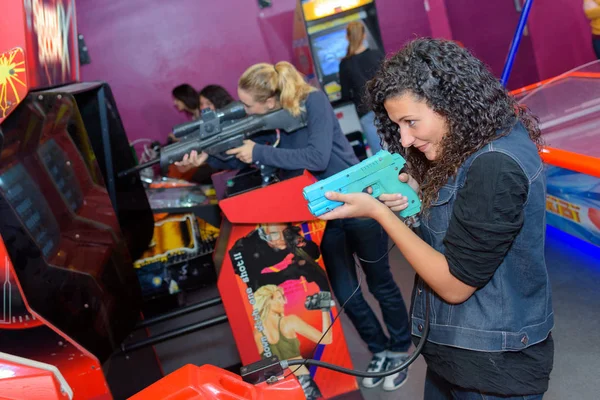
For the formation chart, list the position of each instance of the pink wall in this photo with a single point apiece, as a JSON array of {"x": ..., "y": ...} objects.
[
  {"x": 438, "y": 19},
  {"x": 401, "y": 21},
  {"x": 143, "y": 48},
  {"x": 561, "y": 36}
]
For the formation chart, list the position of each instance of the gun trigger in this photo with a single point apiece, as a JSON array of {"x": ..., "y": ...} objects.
[{"x": 376, "y": 190}]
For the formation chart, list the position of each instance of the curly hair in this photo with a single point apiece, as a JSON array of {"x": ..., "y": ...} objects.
[{"x": 457, "y": 86}]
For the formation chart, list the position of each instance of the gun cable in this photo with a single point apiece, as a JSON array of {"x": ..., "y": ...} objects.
[
  {"x": 332, "y": 322},
  {"x": 363, "y": 374},
  {"x": 380, "y": 258}
]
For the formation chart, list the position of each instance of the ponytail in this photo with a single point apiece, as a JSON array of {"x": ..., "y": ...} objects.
[
  {"x": 355, "y": 31},
  {"x": 281, "y": 80},
  {"x": 293, "y": 89}
]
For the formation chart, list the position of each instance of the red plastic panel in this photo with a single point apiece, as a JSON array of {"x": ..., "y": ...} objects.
[
  {"x": 209, "y": 382},
  {"x": 281, "y": 202},
  {"x": 19, "y": 381}
]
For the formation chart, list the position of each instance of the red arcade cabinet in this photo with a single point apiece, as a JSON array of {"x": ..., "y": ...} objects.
[
  {"x": 269, "y": 268},
  {"x": 68, "y": 229}
]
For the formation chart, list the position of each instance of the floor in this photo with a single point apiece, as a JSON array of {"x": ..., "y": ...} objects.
[{"x": 575, "y": 277}]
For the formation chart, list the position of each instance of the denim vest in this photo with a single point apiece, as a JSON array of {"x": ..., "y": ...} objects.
[{"x": 514, "y": 310}]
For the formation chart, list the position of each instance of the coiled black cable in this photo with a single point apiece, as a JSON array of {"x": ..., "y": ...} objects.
[{"x": 365, "y": 374}]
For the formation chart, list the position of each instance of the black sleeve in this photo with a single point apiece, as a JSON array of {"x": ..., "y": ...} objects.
[
  {"x": 486, "y": 218},
  {"x": 232, "y": 163},
  {"x": 345, "y": 81}
]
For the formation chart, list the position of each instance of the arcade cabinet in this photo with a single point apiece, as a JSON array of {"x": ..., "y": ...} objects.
[
  {"x": 69, "y": 230},
  {"x": 320, "y": 44}
]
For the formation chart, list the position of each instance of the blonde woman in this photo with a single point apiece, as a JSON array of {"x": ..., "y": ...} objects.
[
  {"x": 281, "y": 333},
  {"x": 358, "y": 67},
  {"x": 322, "y": 149}
]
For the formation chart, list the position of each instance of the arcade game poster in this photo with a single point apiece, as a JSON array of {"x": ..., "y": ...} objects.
[{"x": 280, "y": 280}]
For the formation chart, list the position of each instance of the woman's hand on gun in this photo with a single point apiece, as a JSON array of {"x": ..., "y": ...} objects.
[
  {"x": 397, "y": 201},
  {"x": 191, "y": 160},
  {"x": 244, "y": 152},
  {"x": 357, "y": 205}
]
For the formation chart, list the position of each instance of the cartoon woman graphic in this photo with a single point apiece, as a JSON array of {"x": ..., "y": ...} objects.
[{"x": 281, "y": 331}]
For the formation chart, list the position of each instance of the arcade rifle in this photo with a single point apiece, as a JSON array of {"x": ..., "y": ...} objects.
[
  {"x": 218, "y": 139},
  {"x": 211, "y": 121}
]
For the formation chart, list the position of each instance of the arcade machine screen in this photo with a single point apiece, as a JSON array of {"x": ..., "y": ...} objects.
[
  {"x": 329, "y": 49},
  {"x": 57, "y": 163},
  {"x": 27, "y": 200}
]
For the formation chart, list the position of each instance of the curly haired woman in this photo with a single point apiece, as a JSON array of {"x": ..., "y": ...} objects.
[{"x": 473, "y": 156}]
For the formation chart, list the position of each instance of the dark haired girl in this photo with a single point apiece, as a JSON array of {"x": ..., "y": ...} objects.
[
  {"x": 214, "y": 97},
  {"x": 472, "y": 153},
  {"x": 185, "y": 99}
]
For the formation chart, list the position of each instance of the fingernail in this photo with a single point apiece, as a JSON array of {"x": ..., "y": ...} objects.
[{"x": 400, "y": 196}]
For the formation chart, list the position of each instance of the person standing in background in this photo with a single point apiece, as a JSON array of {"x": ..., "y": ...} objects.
[
  {"x": 592, "y": 12},
  {"x": 359, "y": 66}
]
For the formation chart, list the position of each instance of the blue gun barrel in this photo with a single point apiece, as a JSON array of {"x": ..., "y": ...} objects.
[{"x": 380, "y": 172}]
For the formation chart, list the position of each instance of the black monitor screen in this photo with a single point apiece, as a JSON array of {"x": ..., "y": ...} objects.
[
  {"x": 26, "y": 198},
  {"x": 61, "y": 171}
]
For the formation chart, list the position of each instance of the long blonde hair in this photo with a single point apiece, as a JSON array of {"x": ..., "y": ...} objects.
[
  {"x": 263, "y": 297},
  {"x": 355, "y": 31},
  {"x": 281, "y": 80}
]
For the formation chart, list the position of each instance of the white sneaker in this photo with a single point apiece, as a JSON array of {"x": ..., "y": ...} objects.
[
  {"x": 393, "y": 382},
  {"x": 378, "y": 364}
]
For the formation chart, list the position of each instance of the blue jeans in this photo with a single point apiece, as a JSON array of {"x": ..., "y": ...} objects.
[
  {"x": 367, "y": 122},
  {"x": 437, "y": 388},
  {"x": 368, "y": 240},
  {"x": 596, "y": 45}
]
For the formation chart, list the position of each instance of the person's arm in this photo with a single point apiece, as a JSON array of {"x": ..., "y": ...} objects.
[
  {"x": 195, "y": 160},
  {"x": 487, "y": 216},
  {"x": 427, "y": 262},
  {"x": 315, "y": 156}
]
